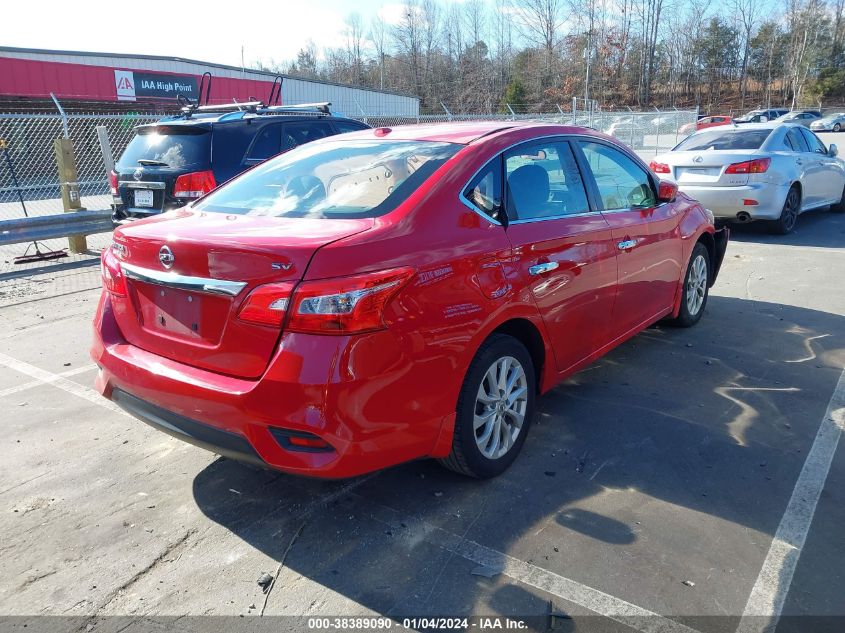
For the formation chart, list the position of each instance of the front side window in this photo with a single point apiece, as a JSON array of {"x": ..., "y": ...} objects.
[
  {"x": 621, "y": 182},
  {"x": 332, "y": 179},
  {"x": 813, "y": 142},
  {"x": 348, "y": 126},
  {"x": 543, "y": 181}
]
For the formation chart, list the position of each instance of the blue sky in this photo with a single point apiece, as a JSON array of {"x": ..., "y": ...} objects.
[{"x": 209, "y": 31}]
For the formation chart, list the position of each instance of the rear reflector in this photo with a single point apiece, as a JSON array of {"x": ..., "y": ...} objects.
[
  {"x": 194, "y": 185},
  {"x": 756, "y": 166},
  {"x": 750, "y": 203},
  {"x": 300, "y": 441}
]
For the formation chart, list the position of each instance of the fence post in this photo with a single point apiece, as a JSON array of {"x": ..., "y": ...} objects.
[
  {"x": 66, "y": 162},
  {"x": 105, "y": 147},
  {"x": 510, "y": 109},
  {"x": 574, "y": 110}
]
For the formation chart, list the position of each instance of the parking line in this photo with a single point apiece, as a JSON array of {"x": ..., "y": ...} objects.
[
  {"x": 49, "y": 378},
  {"x": 567, "y": 589},
  {"x": 37, "y": 383},
  {"x": 765, "y": 603}
]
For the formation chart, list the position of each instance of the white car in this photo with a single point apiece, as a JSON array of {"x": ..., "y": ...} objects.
[{"x": 765, "y": 171}]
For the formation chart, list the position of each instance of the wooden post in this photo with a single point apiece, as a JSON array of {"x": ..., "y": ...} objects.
[{"x": 71, "y": 201}]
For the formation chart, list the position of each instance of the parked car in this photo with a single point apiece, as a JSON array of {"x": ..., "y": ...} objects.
[
  {"x": 667, "y": 123},
  {"x": 829, "y": 123},
  {"x": 178, "y": 159},
  {"x": 628, "y": 129},
  {"x": 394, "y": 294},
  {"x": 761, "y": 116},
  {"x": 705, "y": 122},
  {"x": 801, "y": 117},
  {"x": 764, "y": 171}
]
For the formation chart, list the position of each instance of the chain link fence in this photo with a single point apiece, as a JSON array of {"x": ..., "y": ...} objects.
[{"x": 29, "y": 168}]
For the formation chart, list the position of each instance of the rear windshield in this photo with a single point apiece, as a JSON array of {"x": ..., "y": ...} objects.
[
  {"x": 723, "y": 139},
  {"x": 332, "y": 179},
  {"x": 174, "y": 146}
]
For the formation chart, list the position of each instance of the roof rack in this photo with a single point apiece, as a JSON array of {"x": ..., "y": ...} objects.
[{"x": 321, "y": 108}]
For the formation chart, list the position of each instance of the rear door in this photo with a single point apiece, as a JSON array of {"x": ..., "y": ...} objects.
[
  {"x": 562, "y": 247},
  {"x": 267, "y": 143},
  {"x": 645, "y": 235},
  {"x": 298, "y": 133}
]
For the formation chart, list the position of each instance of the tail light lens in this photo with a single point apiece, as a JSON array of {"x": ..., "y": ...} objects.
[
  {"x": 194, "y": 185},
  {"x": 345, "y": 305},
  {"x": 659, "y": 168},
  {"x": 267, "y": 304},
  {"x": 113, "y": 182},
  {"x": 756, "y": 166},
  {"x": 113, "y": 279}
]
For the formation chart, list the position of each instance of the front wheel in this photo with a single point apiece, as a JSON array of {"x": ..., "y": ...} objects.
[
  {"x": 836, "y": 127},
  {"x": 696, "y": 288},
  {"x": 789, "y": 214},
  {"x": 495, "y": 408}
]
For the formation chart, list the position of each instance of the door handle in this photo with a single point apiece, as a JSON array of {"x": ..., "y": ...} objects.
[
  {"x": 539, "y": 269},
  {"x": 625, "y": 245}
]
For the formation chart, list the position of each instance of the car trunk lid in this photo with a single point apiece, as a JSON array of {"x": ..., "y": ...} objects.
[
  {"x": 188, "y": 273},
  {"x": 707, "y": 168}
]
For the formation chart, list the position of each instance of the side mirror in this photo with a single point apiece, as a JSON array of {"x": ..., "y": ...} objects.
[
  {"x": 667, "y": 191},
  {"x": 832, "y": 150}
]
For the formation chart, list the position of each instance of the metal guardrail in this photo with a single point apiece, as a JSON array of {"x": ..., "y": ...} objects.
[{"x": 46, "y": 227}]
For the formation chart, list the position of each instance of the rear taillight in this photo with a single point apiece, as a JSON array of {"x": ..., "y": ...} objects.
[
  {"x": 267, "y": 304},
  {"x": 659, "y": 168},
  {"x": 194, "y": 185},
  {"x": 113, "y": 279},
  {"x": 345, "y": 305},
  {"x": 756, "y": 166},
  {"x": 113, "y": 183}
]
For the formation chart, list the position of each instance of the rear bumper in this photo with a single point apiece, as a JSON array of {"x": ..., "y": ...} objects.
[
  {"x": 728, "y": 202},
  {"x": 347, "y": 391}
]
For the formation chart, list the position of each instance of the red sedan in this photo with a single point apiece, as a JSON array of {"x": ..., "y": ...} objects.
[
  {"x": 394, "y": 294},
  {"x": 705, "y": 122}
]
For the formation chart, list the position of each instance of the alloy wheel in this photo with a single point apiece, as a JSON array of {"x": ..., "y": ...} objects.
[
  {"x": 500, "y": 407},
  {"x": 790, "y": 210},
  {"x": 696, "y": 285}
]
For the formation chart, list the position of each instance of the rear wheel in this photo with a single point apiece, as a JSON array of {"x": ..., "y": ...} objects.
[
  {"x": 789, "y": 214},
  {"x": 495, "y": 408},
  {"x": 696, "y": 288},
  {"x": 839, "y": 207},
  {"x": 836, "y": 127}
]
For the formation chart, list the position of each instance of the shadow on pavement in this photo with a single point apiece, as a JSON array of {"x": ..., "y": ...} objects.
[
  {"x": 671, "y": 459},
  {"x": 814, "y": 228}
]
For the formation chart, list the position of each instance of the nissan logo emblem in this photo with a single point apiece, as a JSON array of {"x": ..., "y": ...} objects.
[{"x": 165, "y": 256}]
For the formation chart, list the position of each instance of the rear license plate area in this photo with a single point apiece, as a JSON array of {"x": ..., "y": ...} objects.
[
  {"x": 143, "y": 198},
  {"x": 180, "y": 314}
]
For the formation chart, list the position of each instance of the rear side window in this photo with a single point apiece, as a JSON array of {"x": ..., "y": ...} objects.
[
  {"x": 621, "y": 182},
  {"x": 723, "y": 139},
  {"x": 266, "y": 143},
  {"x": 484, "y": 192},
  {"x": 175, "y": 146},
  {"x": 296, "y": 134},
  {"x": 543, "y": 181},
  {"x": 348, "y": 126},
  {"x": 332, "y": 179}
]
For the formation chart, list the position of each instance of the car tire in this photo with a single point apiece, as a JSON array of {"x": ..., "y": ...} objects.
[
  {"x": 836, "y": 127},
  {"x": 785, "y": 224},
  {"x": 485, "y": 421},
  {"x": 839, "y": 207},
  {"x": 696, "y": 288}
]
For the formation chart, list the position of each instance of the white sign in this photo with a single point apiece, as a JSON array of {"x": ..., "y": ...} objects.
[{"x": 124, "y": 83}]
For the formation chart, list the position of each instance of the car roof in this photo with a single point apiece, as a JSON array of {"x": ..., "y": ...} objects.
[
  {"x": 462, "y": 133},
  {"x": 207, "y": 119}
]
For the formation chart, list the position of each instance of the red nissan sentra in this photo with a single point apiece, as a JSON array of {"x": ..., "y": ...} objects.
[{"x": 394, "y": 294}]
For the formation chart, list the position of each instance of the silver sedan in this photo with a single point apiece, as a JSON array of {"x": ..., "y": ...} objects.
[
  {"x": 829, "y": 123},
  {"x": 765, "y": 171}
]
